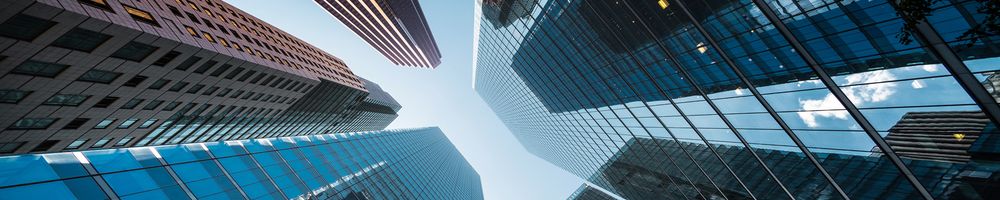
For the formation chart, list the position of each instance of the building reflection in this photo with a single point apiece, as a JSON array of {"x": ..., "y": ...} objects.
[{"x": 640, "y": 171}]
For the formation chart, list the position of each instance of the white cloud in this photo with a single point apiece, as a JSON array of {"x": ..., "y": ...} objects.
[{"x": 859, "y": 95}]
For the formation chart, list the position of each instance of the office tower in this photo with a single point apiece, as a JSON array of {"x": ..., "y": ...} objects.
[
  {"x": 396, "y": 28},
  {"x": 741, "y": 99},
  {"x": 585, "y": 192},
  {"x": 941, "y": 136},
  {"x": 85, "y": 74},
  {"x": 377, "y": 110},
  {"x": 392, "y": 164}
]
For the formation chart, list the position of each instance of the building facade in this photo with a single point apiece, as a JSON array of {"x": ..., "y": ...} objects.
[
  {"x": 746, "y": 99},
  {"x": 396, "y": 28},
  {"x": 392, "y": 164},
  {"x": 84, "y": 74},
  {"x": 585, "y": 192}
]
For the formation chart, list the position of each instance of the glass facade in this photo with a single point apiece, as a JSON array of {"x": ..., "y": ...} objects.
[
  {"x": 585, "y": 192},
  {"x": 744, "y": 99},
  {"x": 393, "y": 164}
]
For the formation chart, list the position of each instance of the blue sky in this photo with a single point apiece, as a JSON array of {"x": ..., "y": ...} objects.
[{"x": 440, "y": 97}]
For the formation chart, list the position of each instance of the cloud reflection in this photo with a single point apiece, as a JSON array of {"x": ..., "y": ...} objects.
[{"x": 829, "y": 106}]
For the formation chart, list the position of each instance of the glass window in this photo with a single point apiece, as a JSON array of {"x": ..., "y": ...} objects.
[
  {"x": 123, "y": 141},
  {"x": 195, "y": 88},
  {"x": 204, "y": 67},
  {"x": 102, "y": 4},
  {"x": 148, "y": 123},
  {"x": 104, "y": 123},
  {"x": 45, "y": 145},
  {"x": 32, "y": 123},
  {"x": 127, "y": 123},
  {"x": 170, "y": 56},
  {"x": 224, "y": 92},
  {"x": 100, "y": 143},
  {"x": 13, "y": 96},
  {"x": 210, "y": 90},
  {"x": 76, "y": 144},
  {"x": 76, "y": 123},
  {"x": 99, "y": 76},
  {"x": 178, "y": 86},
  {"x": 152, "y": 105},
  {"x": 24, "y": 27},
  {"x": 152, "y": 183},
  {"x": 134, "y": 51},
  {"x": 132, "y": 103},
  {"x": 81, "y": 40},
  {"x": 141, "y": 15},
  {"x": 171, "y": 106},
  {"x": 159, "y": 84},
  {"x": 138, "y": 79},
  {"x": 66, "y": 100},
  {"x": 39, "y": 68},
  {"x": 188, "y": 63},
  {"x": 77, "y": 188},
  {"x": 105, "y": 102},
  {"x": 221, "y": 70}
]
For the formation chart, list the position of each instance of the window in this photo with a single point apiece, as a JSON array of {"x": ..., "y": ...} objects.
[
  {"x": 188, "y": 63},
  {"x": 76, "y": 123},
  {"x": 124, "y": 141},
  {"x": 175, "y": 11},
  {"x": 235, "y": 72},
  {"x": 205, "y": 67},
  {"x": 171, "y": 106},
  {"x": 208, "y": 36},
  {"x": 259, "y": 76},
  {"x": 135, "y": 81},
  {"x": 170, "y": 56},
  {"x": 132, "y": 103},
  {"x": 152, "y": 105},
  {"x": 224, "y": 92},
  {"x": 247, "y": 95},
  {"x": 105, "y": 102},
  {"x": 134, "y": 51},
  {"x": 13, "y": 96},
  {"x": 148, "y": 123},
  {"x": 195, "y": 88},
  {"x": 237, "y": 94},
  {"x": 99, "y": 76},
  {"x": 24, "y": 27},
  {"x": 66, "y": 100},
  {"x": 159, "y": 84},
  {"x": 32, "y": 123},
  {"x": 45, "y": 145},
  {"x": 127, "y": 123},
  {"x": 247, "y": 75},
  {"x": 210, "y": 90},
  {"x": 101, "y": 143},
  {"x": 102, "y": 4},
  {"x": 81, "y": 40},
  {"x": 104, "y": 123},
  {"x": 191, "y": 31},
  {"x": 221, "y": 70},
  {"x": 38, "y": 68},
  {"x": 76, "y": 144},
  {"x": 192, "y": 18},
  {"x": 141, "y": 15},
  {"x": 178, "y": 86}
]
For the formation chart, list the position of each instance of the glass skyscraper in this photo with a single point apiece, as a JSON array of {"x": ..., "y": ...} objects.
[
  {"x": 393, "y": 164},
  {"x": 743, "y": 99}
]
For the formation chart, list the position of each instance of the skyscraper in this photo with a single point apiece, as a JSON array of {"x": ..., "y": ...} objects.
[
  {"x": 740, "y": 99},
  {"x": 585, "y": 192},
  {"x": 393, "y": 164},
  {"x": 97, "y": 74},
  {"x": 396, "y": 28}
]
